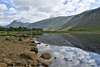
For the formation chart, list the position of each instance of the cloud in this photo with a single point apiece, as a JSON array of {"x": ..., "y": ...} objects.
[
  {"x": 12, "y": 11},
  {"x": 39, "y": 10},
  {"x": 36, "y": 10},
  {"x": 68, "y": 56},
  {"x": 3, "y": 23},
  {"x": 3, "y": 7}
]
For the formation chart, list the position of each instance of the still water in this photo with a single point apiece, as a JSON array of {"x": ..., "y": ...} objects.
[{"x": 71, "y": 50}]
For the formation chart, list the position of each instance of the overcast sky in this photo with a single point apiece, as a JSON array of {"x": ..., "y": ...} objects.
[{"x": 35, "y": 10}]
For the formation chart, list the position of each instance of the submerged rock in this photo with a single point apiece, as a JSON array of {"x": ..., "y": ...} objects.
[
  {"x": 29, "y": 55},
  {"x": 8, "y": 61},
  {"x": 46, "y": 45},
  {"x": 47, "y": 63},
  {"x": 2, "y": 64},
  {"x": 46, "y": 56},
  {"x": 55, "y": 58}
]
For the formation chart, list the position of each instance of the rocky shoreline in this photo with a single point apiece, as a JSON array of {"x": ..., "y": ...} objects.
[{"x": 29, "y": 57}]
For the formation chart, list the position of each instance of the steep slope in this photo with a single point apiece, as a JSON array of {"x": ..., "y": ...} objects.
[
  {"x": 88, "y": 20},
  {"x": 51, "y": 24},
  {"x": 16, "y": 23}
]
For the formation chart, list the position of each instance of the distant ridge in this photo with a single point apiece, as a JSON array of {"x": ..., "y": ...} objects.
[
  {"x": 88, "y": 20},
  {"x": 16, "y": 23},
  {"x": 51, "y": 24}
]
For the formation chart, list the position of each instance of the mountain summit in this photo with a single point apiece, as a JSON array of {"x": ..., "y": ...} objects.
[{"x": 16, "y": 23}]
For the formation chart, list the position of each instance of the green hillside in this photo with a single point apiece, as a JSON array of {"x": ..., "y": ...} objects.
[
  {"x": 89, "y": 20},
  {"x": 51, "y": 24},
  {"x": 86, "y": 21}
]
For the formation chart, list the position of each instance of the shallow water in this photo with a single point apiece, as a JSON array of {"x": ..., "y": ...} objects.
[
  {"x": 88, "y": 42},
  {"x": 68, "y": 49},
  {"x": 70, "y": 56}
]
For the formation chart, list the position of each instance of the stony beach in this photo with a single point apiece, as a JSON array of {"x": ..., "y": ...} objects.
[{"x": 22, "y": 51}]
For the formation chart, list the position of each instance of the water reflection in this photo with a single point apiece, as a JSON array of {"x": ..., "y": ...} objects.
[
  {"x": 70, "y": 56},
  {"x": 88, "y": 42}
]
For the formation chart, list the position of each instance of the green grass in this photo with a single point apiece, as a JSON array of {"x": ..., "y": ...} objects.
[
  {"x": 12, "y": 33},
  {"x": 71, "y": 31}
]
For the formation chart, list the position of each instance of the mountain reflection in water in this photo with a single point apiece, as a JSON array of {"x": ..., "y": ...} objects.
[{"x": 88, "y": 42}]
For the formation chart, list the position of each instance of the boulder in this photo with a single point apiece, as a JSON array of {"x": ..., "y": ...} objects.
[
  {"x": 31, "y": 38},
  {"x": 35, "y": 49},
  {"x": 55, "y": 58},
  {"x": 13, "y": 38},
  {"x": 20, "y": 39},
  {"x": 64, "y": 41},
  {"x": 20, "y": 63},
  {"x": 38, "y": 43},
  {"x": 25, "y": 35},
  {"x": 33, "y": 63},
  {"x": 47, "y": 63},
  {"x": 46, "y": 45},
  {"x": 2, "y": 64},
  {"x": 8, "y": 61},
  {"x": 36, "y": 36},
  {"x": 40, "y": 61},
  {"x": 33, "y": 44},
  {"x": 29, "y": 55},
  {"x": 8, "y": 39},
  {"x": 16, "y": 36},
  {"x": 46, "y": 56}
]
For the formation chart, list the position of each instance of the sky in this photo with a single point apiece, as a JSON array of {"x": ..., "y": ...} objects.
[{"x": 36, "y": 10}]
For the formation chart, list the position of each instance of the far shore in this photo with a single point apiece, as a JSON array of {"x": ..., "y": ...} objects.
[{"x": 11, "y": 33}]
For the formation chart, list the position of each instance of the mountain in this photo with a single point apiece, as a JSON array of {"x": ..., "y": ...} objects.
[
  {"x": 88, "y": 20},
  {"x": 16, "y": 23},
  {"x": 51, "y": 24}
]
